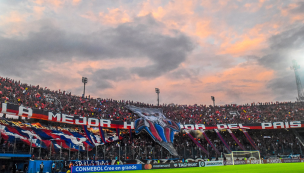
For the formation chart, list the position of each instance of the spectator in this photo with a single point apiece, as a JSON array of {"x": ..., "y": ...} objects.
[{"x": 41, "y": 167}]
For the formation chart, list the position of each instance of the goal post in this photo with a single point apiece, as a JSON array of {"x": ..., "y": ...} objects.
[{"x": 244, "y": 155}]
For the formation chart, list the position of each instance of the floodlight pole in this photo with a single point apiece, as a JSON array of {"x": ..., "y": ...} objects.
[
  {"x": 157, "y": 92},
  {"x": 84, "y": 81},
  {"x": 213, "y": 99}
]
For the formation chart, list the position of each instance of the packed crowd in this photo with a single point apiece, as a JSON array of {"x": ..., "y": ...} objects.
[
  {"x": 269, "y": 142},
  {"x": 60, "y": 101}
]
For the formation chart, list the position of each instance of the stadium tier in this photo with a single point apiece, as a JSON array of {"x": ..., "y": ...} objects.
[
  {"x": 39, "y": 124},
  {"x": 60, "y": 101}
]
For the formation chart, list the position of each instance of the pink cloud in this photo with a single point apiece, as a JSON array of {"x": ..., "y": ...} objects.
[
  {"x": 243, "y": 46},
  {"x": 111, "y": 17},
  {"x": 76, "y": 2},
  {"x": 12, "y": 17},
  {"x": 39, "y": 10},
  {"x": 114, "y": 16}
]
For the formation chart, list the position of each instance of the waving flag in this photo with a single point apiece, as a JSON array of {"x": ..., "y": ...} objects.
[
  {"x": 88, "y": 134},
  {"x": 39, "y": 136},
  {"x": 102, "y": 136},
  {"x": 157, "y": 126}
]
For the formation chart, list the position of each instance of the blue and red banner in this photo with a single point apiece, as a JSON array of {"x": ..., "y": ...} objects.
[{"x": 42, "y": 137}]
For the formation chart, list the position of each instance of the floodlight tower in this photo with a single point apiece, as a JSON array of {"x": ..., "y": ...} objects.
[
  {"x": 295, "y": 67},
  {"x": 213, "y": 99},
  {"x": 157, "y": 92},
  {"x": 84, "y": 81}
]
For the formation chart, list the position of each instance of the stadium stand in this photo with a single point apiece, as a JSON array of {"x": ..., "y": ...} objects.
[
  {"x": 61, "y": 101},
  {"x": 271, "y": 143}
]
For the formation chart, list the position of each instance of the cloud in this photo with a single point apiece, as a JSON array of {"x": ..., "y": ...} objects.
[
  {"x": 166, "y": 54},
  {"x": 76, "y": 2},
  {"x": 298, "y": 9},
  {"x": 139, "y": 39},
  {"x": 183, "y": 74},
  {"x": 243, "y": 46},
  {"x": 104, "y": 77},
  {"x": 245, "y": 82},
  {"x": 284, "y": 47},
  {"x": 284, "y": 87},
  {"x": 188, "y": 49}
]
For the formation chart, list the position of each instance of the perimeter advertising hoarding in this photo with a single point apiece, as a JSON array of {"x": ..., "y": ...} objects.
[
  {"x": 290, "y": 160},
  {"x": 272, "y": 161},
  {"x": 184, "y": 165},
  {"x": 173, "y": 165},
  {"x": 105, "y": 168},
  {"x": 265, "y": 161},
  {"x": 158, "y": 166},
  {"x": 214, "y": 163},
  {"x": 254, "y": 162},
  {"x": 236, "y": 162}
]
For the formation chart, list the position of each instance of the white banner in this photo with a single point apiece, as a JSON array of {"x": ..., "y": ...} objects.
[{"x": 214, "y": 163}]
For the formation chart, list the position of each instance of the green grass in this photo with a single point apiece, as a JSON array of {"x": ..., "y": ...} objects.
[{"x": 263, "y": 168}]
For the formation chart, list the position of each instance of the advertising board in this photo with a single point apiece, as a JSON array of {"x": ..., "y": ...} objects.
[
  {"x": 174, "y": 165},
  {"x": 236, "y": 162},
  {"x": 214, "y": 163},
  {"x": 201, "y": 164},
  {"x": 184, "y": 165},
  {"x": 105, "y": 168},
  {"x": 254, "y": 162},
  {"x": 161, "y": 166},
  {"x": 272, "y": 161},
  {"x": 290, "y": 160}
]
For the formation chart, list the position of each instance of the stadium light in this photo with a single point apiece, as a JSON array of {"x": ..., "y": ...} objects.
[
  {"x": 157, "y": 91},
  {"x": 213, "y": 99},
  {"x": 84, "y": 81}
]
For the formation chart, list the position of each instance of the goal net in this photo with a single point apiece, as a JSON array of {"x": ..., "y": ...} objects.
[{"x": 252, "y": 156}]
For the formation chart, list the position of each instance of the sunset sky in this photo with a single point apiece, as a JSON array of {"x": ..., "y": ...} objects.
[{"x": 239, "y": 51}]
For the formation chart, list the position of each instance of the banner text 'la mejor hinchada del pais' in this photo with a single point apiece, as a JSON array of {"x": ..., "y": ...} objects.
[{"x": 30, "y": 113}]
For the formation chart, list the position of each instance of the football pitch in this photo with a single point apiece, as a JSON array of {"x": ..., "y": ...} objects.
[{"x": 260, "y": 168}]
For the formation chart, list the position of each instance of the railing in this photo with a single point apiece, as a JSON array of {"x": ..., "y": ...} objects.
[{"x": 112, "y": 152}]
